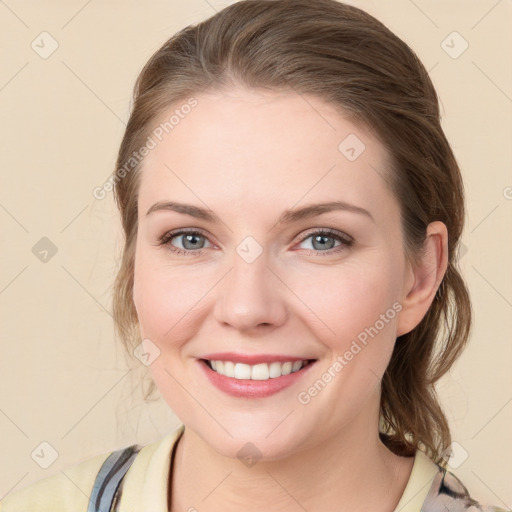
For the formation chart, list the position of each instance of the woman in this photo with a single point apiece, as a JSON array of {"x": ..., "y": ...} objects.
[{"x": 292, "y": 212}]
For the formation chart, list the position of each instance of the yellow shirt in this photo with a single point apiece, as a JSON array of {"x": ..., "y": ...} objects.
[{"x": 144, "y": 487}]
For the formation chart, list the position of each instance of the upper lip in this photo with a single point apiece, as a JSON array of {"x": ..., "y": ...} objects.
[{"x": 252, "y": 359}]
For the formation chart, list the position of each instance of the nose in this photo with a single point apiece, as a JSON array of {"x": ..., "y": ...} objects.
[{"x": 251, "y": 296}]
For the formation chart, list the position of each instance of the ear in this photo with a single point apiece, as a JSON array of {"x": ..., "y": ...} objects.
[{"x": 423, "y": 278}]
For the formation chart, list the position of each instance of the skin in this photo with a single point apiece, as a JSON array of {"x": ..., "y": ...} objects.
[{"x": 248, "y": 156}]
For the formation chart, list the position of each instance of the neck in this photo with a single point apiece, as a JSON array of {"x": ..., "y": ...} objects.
[{"x": 350, "y": 471}]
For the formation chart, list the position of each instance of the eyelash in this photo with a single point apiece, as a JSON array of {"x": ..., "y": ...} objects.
[{"x": 345, "y": 240}]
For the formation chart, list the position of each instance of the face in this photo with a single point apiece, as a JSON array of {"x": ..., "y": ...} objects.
[{"x": 256, "y": 282}]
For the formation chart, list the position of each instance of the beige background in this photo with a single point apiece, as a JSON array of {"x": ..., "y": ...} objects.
[{"x": 64, "y": 381}]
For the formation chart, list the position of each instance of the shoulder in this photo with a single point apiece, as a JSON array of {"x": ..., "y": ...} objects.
[
  {"x": 76, "y": 489},
  {"x": 66, "y": 491},
  {"x": 447, "y": 492}
]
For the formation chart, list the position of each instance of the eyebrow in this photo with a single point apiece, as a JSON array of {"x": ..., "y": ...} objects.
[{"x": 288, "y": 216}]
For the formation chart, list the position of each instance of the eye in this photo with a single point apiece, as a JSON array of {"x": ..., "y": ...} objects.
[
  {"x": 190, "y": 241},
  {"x": 324, "y": 240}
]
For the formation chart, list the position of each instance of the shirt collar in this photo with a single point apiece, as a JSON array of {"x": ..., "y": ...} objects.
[{"x": 145, "y": 485}]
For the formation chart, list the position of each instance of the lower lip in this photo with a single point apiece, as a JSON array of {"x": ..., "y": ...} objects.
[{"x": 247, "y": 388}]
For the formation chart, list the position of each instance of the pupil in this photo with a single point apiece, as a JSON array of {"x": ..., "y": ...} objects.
[
  {"x": 323, "y": 244},
  {"x": 190, "y": 238}
]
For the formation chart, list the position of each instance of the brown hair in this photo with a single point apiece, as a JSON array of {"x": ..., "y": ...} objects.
[{"x": 346, "y": 57}]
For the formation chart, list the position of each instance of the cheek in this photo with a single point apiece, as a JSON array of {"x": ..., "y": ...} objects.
[
  {"x": 168, "y": 299},
  {"x": 155, "y": 305},
  {"x": 344, "y": 301}
]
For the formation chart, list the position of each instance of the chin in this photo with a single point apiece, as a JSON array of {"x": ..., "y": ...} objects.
[{"x": 254, "y": 441}]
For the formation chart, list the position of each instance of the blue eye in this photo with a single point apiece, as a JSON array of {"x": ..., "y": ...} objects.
[
  {"x": 323, "y": 241},
  {"x": 190, "y": 241}
]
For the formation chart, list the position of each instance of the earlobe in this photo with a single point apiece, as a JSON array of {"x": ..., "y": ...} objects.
[{"x": 425, "y": 278}]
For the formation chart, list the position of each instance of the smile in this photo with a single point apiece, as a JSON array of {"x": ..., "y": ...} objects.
[
  {"x": 260, "y": 380},
  {"x": 262, "y": 371}
]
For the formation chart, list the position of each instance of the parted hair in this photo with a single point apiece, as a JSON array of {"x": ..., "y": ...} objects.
[{"x": 346, "y": 57}]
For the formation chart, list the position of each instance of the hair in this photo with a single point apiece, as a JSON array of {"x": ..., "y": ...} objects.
[{"x": 349, "y": 59}]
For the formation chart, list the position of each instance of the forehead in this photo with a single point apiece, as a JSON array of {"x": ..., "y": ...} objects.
[{"x": 249, "y": 148}]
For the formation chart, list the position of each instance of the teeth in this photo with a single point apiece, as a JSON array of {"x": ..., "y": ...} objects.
[
  {"x": 242, "y": 371},
  {"x": 262, "y": 371}
]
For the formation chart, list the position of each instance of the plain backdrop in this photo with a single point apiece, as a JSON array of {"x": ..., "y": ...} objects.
[{"x": 66, "y": 388}]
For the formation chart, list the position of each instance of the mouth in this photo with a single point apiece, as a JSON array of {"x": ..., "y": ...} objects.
[
  {"x": 261, "y": 371},
  {"x": 251, "y": 381}
]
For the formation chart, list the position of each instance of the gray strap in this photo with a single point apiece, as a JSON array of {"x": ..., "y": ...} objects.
[{"x": 109, "y": 477}]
